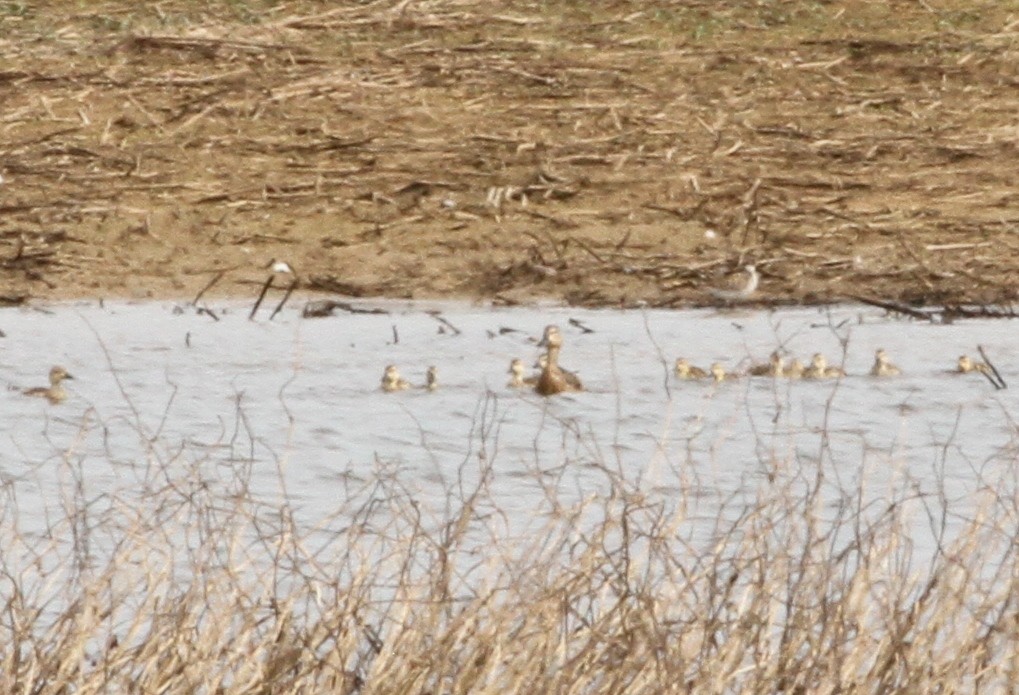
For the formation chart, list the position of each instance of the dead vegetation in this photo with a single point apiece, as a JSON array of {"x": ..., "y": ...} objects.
[
  {"x": 182, "y": 580},
  {"x": 602, "y": 154}
]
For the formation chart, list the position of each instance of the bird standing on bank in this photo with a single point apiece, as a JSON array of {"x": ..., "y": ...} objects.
[{"x": 741, "y": 286}]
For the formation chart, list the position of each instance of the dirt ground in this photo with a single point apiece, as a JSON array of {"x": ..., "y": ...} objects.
[{"x": 609, "y": 153}]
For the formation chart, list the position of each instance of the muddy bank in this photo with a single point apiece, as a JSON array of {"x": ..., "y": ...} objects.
[{"x": 629, "y": 153}]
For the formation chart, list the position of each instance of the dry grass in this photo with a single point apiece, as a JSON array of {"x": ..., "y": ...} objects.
[{"x": 183, "y": 582}]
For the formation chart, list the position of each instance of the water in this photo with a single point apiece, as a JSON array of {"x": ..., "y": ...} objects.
[{"x": 298, "y": 402}]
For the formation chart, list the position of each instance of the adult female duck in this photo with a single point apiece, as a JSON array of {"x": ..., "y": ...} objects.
[{"x": 554, "y": 379}]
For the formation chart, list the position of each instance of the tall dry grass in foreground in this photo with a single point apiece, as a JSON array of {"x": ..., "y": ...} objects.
[{"x": 183, "y": 583}]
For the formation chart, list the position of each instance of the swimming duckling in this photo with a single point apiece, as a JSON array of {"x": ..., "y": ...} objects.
[
  {"x": 795, "y": 369},
  {"x": 967, "y": 365},
  {"x": 391, "y": 380},
  {"x": 774, "y": 367},
  {"x": 684, "y": 370},
  {"x": 432, "y": 379},
  {"x": 718, "y": 373},
  {"x": 517, "y": 378},
  {"x": 819, "y": 369},
  {"x": 553, "y": 379},
  {"x": 883, "y": 365},
  {"x": 55, "y": 393}
]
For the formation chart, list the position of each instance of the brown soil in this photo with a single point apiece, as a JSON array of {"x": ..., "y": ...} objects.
[{"x": 596, "y": 153}]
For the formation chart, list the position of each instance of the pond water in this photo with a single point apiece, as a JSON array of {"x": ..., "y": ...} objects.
[{"x": 298, "y": 401}]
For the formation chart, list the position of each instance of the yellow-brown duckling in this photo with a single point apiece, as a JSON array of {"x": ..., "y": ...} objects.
[
  {"x": 554, "y": 379},
  {"x": 966, "y": 365},
  {"x": 819, "y": 368},
  {"x": 517, "y": 378},
  {"x": 883, "y": 365},
  {"x": 719, "y": 374},
  {"x": 775, "y": 367},
  {"x": 55, "y": 392},
  {"x": 795, "y": 369},
  {"x": 391, "y": 380},
  {"x": 685, "y": 370}
]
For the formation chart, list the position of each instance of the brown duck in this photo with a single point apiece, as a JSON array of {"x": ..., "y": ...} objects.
[{"x": 554, "y": 379}]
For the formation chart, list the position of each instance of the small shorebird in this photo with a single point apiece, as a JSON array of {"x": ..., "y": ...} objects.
[
  {"x": 819, "y": 368},
  {"x": 391, "y": 380},
  {"x": 742, "y": 288},
  {"x": 280, "y": 269},
  {"x": 883, "y": 365},
  {"x": 55, "y": 393},
  {"x": 774, "y": 367},
  {"x": 554, "y": 379},
  {"x": 277, "y": 269},
  {"x": 684, "y": 370},
  {"x": 432, "y": 379},
  {"x": 517, "y": 378},
  {"x": 965, "y": 365}
]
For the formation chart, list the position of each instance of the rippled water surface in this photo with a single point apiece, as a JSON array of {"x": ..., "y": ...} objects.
[{"x": 298, "y": 400}]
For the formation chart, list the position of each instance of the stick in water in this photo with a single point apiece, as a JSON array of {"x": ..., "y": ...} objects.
[
  {"x": 997, "y": 381},
  {"x": 261, "y": 296},
  {"x": 286, "y": 296},
  {"x": 213, "y": 281}
]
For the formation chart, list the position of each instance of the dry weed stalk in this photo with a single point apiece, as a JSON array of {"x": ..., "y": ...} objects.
[{"x": 186, "y": 583}]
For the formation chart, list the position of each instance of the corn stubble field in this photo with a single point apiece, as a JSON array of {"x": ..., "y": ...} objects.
[
  {"x": 508, "y": 150},
  {"x": 598, "y": 153}
]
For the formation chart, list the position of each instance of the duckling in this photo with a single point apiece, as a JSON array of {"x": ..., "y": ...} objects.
[
  {"x": 684, "y": 370},
  {"x": 718, "y": 373},
  {"x": 774, "y": 367},
  {"x": 553, "y": 379},
  {"x": 432, "y": 379},
  {"x": 55, "y": 393},
  {"x": 517, "y": 378},
  {"x": 391, "y": 380},
  {"x": 819, "y": 369},
  {"x": 966, "y": 365},
  {"x": 795, "y": 369},
  {"x": 883, "y": 365}
]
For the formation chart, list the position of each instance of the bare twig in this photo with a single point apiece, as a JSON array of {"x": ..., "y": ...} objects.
[
  {"x": 216, "y": 278},
  {"x": 286, "y": 295},
  {"x": 992, "y": 373}
]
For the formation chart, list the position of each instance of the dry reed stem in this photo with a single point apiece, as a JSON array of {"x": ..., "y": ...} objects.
[{"x": 185, "y": 582}]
